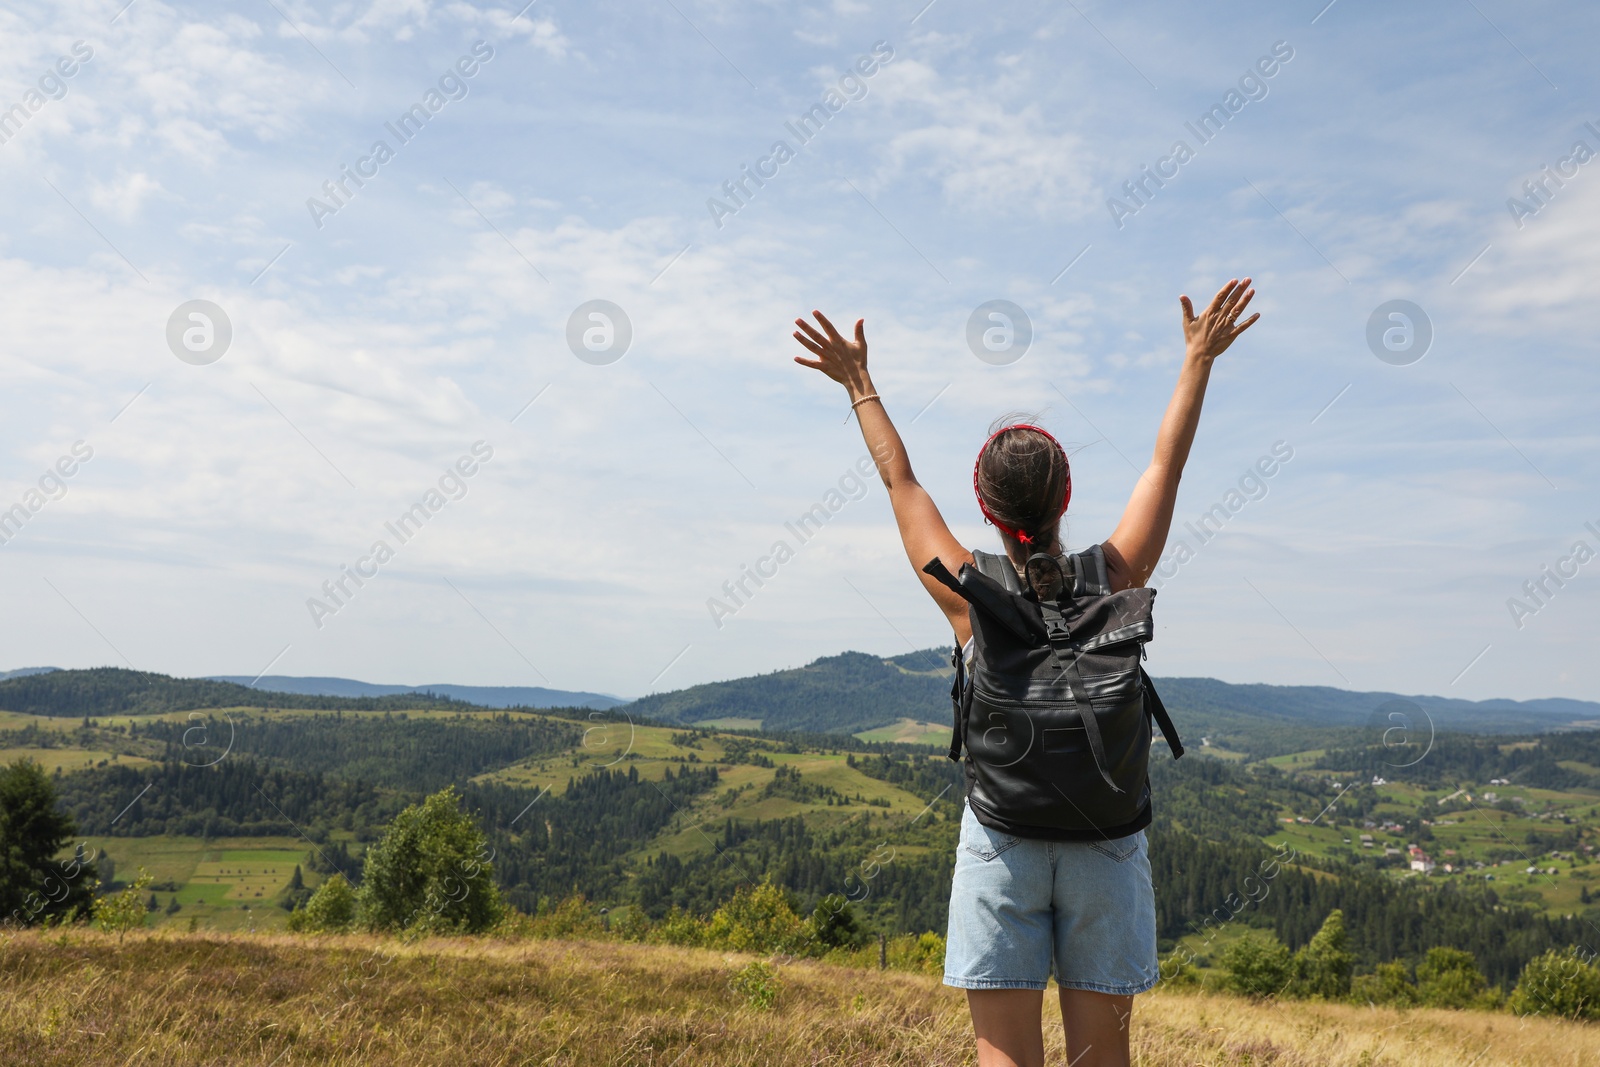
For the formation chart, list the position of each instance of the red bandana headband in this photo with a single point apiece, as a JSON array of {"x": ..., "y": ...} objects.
[{"x": 1020, "y": 535}]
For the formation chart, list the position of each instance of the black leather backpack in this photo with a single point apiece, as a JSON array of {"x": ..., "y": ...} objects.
[{"x": 1055, "y": 713}]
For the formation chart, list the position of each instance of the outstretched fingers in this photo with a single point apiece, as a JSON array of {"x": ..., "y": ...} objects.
[
  {"x": 809, "y": 343},
  {"x": 812, "y": 332},
  {"x": 1243, "y": 326},
  {"x": 1236, "y": 307},
  {"x": 1221, "y": 298},
  {"x": 833, "y": 334},
  {"x": 1236, "y": 300}
]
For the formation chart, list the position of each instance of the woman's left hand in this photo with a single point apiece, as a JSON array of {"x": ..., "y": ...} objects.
[{"x": 1209, "y": 334}]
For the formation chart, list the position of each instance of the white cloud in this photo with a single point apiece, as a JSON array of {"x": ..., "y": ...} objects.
[
  {"x": 986, "y": 157},
  {"x": 123, "y": 196}
]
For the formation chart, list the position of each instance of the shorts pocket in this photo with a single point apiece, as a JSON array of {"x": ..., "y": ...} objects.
[
  {"x": 1119, "y": 849},
  {"x": 981, "y": 841}
]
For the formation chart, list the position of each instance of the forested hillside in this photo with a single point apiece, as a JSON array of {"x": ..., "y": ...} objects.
[
  {"x": 485, "y": 696},
  {"x": 116, "y": 691},
  {"x": 394, "y": 749},
  {"x": 846, "y": 693},
  {"x": 656, "y": 819}
]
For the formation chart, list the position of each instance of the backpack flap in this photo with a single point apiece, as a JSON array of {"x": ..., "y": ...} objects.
[{"x": 991, "y": 599}]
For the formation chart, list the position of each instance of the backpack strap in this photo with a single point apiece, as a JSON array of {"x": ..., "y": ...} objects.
[
  {"x": 998, "y": 569},
  {"x": 985, "y": 594},
  {"x": 1065, "y": 650},
  {"x": 1158, "y": 712},
  {"x": 958, "y": 731},
  {"x": 1089, "y": 567}
]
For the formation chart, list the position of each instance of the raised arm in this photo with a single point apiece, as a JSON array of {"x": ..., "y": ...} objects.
[
  {"x": 1134, "y": 548},
  {"x": 922, "y": 528}
]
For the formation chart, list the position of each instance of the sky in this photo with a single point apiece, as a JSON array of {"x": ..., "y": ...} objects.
[{"x": 276, "y": 274}]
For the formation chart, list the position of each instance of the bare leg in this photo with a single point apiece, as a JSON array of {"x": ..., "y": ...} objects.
[
  {"x": 1008, "y": 1026},
  {"x": 1097, "y": 1027}
]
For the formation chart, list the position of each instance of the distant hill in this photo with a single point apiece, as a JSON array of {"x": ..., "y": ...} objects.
[
  {"x": 835, "y": 694},
  {"x": 488, "y": 696},
  {"x": 1316, "y": 705},
  {"x": 115, "y": 691},
  {"x": 852, "y": 692},
  {"x": 845, "y": 694},
  {"x": 23, "y": 672}
]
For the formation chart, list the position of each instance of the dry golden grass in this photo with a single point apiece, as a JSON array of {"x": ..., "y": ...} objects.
[{"x": 175, "y": 1001}]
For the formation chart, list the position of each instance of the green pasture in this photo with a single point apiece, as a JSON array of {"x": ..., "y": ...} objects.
[
  {"x": 910, "y": 732},
  {"x": 1297, "y": 760},
  {"x": 67, "y": 760},
  {"x": 611, "y": 746},
  {"x": 225, "y": 883}
]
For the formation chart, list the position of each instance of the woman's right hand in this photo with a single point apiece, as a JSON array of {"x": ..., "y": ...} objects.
[{"x": 843, "y": 361}]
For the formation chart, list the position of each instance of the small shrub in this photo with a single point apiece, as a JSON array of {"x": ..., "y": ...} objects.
[
  {"x": 833, "y": 924},
  {"x": 757, "y": 920},
  {"x": 117, "y": 913},
  {"x": 1258, "y": 965},
  {"x": 919, "y": 953},
  {"x": 679, "y": 928},
  {"x": 1559, "y": 984},
  {"x": 573, "y": 917},
  {"x": 1184, "y": 975},
  {"x": 331, "y": 909},
  {"x": 514, "y": 925},
  {"x": 631, "y": 924},
  {"x": 757, "y": 983},
  {"x": 1449, "y": 978},
  {"x": 1388, "y": 984}
]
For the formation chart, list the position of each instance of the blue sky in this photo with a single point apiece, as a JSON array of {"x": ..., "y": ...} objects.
[{"x": 430, "y": 312}]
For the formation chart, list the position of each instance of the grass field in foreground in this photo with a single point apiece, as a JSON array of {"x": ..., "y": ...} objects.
[{"x": 182, "y": 1001}]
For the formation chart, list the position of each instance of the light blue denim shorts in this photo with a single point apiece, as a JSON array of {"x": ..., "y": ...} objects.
[{"x": 1022, "y": 909}]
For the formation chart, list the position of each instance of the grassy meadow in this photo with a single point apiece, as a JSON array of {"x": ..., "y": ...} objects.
[
  {"x": 911, "y": 732},
  {"x": 185, "y": 1000},
  {"x": 225, "y": 883}
]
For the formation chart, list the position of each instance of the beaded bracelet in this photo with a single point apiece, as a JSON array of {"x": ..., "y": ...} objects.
[{"x": 863, "y": 400}]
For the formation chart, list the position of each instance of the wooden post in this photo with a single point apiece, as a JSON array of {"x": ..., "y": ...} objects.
[{"x": 883, "y": 952}]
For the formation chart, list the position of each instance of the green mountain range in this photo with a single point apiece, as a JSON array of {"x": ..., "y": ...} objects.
[
  {"x": 855, "y": 692},
  {"x": 850, "y": 693},
  {"x": 225, "y": 793}
]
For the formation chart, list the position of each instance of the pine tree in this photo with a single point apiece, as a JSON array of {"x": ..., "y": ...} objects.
[
  {"x": 1322, "y": 968},
  {"x": 32, "y": 832}
]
